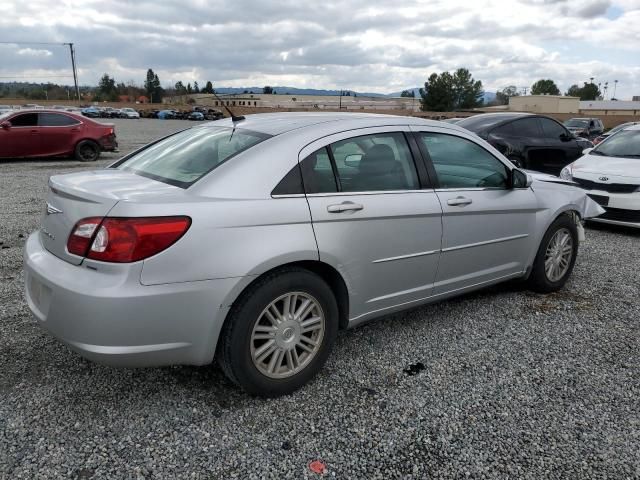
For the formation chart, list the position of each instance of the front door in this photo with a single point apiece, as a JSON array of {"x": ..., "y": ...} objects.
[
  {"x": 375, "y": 218},
  {"x": 487, "y": 226},
  {"x": 22, "y": 138}
]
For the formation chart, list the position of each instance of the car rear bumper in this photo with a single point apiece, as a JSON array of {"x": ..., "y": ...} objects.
[{"x": 109, "y": 317}]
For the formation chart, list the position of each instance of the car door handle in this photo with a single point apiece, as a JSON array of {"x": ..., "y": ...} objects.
[
  {"x": 344, "y": 207},
  {"x": 34, "y": 132},
  {"x": 459, "y": 201}
]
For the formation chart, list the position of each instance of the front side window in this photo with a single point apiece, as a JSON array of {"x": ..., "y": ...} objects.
[
  {"x": 461, "y": 163},
  {"x": 25, "y": 120},
  {"x": 184, "y": 158},
  {"x": 55, "y": 120},
  {"x": 552, "y": 129}
]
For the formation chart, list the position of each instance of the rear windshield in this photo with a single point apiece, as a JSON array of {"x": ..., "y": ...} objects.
[
  {"x": 184, "y": 158},
  {"x": 479, "y": 123}
]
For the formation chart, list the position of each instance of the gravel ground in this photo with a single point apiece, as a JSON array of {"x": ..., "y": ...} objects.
[{"x": 500, "y": 384}]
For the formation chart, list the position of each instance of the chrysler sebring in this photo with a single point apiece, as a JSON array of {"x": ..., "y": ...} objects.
[{"x": 253, "y": 241}]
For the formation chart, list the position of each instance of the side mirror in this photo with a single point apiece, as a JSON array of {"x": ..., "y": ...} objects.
[
  {"x": 586, "y": 151},
  {"x": 6, "y": 125},
  {"x": 353, "y": 160},
  {"x": 520, "y": 179},
  {"x": 565, "y": 137}
]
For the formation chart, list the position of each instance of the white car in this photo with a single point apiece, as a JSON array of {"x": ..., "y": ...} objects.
[
  {"x": 129, "y": 113},
  {"x": 611, "y": 174}
]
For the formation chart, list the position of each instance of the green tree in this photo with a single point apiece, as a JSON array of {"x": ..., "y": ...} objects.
[
  {"x": 208, "y": 88},
  {"x": 545, "y": 87},
  {"x": 179, "y": 87},
  {"x": 447, "y": 92},
  {"x": 502, "y": 96},
  {"x": 189, "y": 89},
  {"x": 153, "y": 88},
  {"x": 267, "y": 89},
  {"x": 589, "y": 91},
  {"x": 196, "y": 88},
  {"x": 106, "y": 90},
  {"x": 408, "y": 93}
]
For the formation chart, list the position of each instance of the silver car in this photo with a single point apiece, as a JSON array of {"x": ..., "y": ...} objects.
[{"x": 254, "y": 241}]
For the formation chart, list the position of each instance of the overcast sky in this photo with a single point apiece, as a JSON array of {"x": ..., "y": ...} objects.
[{"x": 364, "y": 45}]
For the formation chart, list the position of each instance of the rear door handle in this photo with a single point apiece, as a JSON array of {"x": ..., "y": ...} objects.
[
  {"x": 34, "y": 132},
  {"x": 459, "y": 201},
  {"x": 344, "y": 207}
]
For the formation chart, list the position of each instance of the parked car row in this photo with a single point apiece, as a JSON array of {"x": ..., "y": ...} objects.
[
  {"x": 109, "y": 112},
  {"x": 197, "y": 113}
]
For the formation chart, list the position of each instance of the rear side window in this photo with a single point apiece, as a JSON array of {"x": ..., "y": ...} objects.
[
  {"x": 317, "y": 173},
  {"x": 184, "y": 158},
  {"x": 367, "y": 163},
  {"x": 25, "y": 120},
  {"x": 527, "y": 127},
  {"x": 55, "y": 120}
]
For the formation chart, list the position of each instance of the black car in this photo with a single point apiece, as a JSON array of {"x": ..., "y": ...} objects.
[{"x": 535, "y": 142}]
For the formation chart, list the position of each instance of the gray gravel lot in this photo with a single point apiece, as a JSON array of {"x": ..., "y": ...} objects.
[{"x": 514, "y": 384}]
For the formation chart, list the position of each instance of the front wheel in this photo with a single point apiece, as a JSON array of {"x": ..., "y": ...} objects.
[
  {"x": 279, "y": 333},
  {"x": 556, "y": 256},
  {"x": 87, "y": 151}
]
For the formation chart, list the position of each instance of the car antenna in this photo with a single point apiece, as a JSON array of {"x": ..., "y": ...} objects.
[{"x": 234, "y": 118}]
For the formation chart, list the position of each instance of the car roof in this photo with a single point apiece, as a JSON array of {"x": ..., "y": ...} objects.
[
  {"x": 635, "y": 126},
  {"x": 282, "y": 122},
  {"x": 44, "y": 110},
  {"x": 485, "y": 121}
]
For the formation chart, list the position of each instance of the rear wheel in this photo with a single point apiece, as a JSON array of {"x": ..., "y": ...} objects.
[
  {"x": 279, "y": 333},
  {"x": 87, "y": 151},
  {"x": 556, "y": 256}
]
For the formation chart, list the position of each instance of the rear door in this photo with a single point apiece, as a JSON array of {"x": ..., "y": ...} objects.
[
  {"x": 487, "y": 226},
  {"x": 562, "y": 148},
  {"x": 374, "y": 215},
  {"x": 57, "y": 132},
  {"x": 23, "y": 137}
]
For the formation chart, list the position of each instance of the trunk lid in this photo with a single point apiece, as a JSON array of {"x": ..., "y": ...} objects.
[{"x": 75, "y": 196}]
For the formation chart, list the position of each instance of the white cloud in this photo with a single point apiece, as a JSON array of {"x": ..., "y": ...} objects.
[{"x": 366, "y": 45}]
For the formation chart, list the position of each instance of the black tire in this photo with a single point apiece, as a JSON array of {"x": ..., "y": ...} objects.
[
  {"x": 87, "y": 151},
  {"x": 516, "y": 161},
  {"x": 538, "y": 280},
  {"x": 234, "y": 344}
]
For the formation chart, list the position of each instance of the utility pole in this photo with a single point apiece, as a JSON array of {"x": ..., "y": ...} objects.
[
  {"x": 524, "y": 89},
  {"x": 75, "y": 73},
  {"x": 615, "y": 86},
  {"x": 340, "y": 101}
]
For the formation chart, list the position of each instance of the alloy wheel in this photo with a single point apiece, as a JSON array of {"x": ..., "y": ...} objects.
[
  {"x": 558, "y": 255},
  {"x": 287, "y": 335}
]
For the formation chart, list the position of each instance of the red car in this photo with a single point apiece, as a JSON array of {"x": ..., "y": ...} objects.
[{"x": 52, "y": 133}]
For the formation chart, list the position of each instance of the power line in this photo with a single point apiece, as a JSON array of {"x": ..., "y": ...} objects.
[{"x": 71, "y": 51}]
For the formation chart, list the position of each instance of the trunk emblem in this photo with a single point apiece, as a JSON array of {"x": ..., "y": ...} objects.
[
  {"x": 48, "y": 234},
  {"x": 52, "y": 210},
  {"x": 604, "y": 179}
]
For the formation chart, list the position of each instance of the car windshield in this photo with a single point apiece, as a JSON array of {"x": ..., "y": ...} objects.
[
  {"x": 184, "y": 158},
  {"x": 574, "y": 122},
  {"x": 620, "y": 127},
  {"x": 623, "y": 144}
]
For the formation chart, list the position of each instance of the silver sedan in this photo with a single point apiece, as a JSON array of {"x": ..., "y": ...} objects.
[{"x": 252, "y": 242}]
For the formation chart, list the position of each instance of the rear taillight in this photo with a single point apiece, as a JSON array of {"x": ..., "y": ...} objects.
[{"x": 123, "y": 240}]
